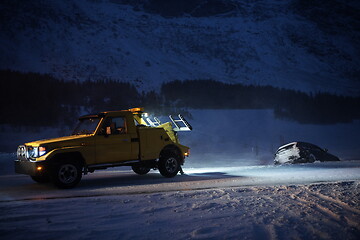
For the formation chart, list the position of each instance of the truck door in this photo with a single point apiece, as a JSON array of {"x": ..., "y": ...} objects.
[{"x": 113, "y": 143}]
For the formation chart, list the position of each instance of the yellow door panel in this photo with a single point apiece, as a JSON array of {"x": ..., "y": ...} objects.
[
  {"x": 113, "y": 148},
  {"x": 113, "y": 143}
]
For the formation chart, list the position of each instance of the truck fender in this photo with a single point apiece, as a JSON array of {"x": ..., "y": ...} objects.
[{"x": 64, "y": 154}]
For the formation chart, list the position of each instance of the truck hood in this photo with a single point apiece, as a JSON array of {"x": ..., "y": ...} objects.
[{"x": 62, "y": 140}]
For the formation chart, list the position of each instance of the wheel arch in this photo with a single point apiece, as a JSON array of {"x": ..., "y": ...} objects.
[
  {"x": 68, "y": 156},
  {"x": 175, "y": 149}
]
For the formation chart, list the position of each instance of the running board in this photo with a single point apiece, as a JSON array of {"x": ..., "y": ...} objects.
[{"x": 107, "y": 165}]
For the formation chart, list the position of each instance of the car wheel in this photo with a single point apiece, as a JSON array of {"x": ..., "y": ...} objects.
[
  {"x": 312, "y": 158},
  {"x": 67, "y": 174},
  {"x": 169, "y": 165},
  {"x": 141, "y": 170},
  {"x": 41, "y": 179}
]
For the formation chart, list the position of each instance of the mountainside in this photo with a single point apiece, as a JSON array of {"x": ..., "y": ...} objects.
[{"x": 300, "y": 44}]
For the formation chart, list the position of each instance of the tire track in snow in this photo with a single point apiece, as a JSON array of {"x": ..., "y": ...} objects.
[
  {"x": 338, "y": 202},
  {"x": 271, "y": 232},
  {"x": 327, "y": 206},
  {"x": 352, "y": 220},
  {"x": 304, "y": 210}
]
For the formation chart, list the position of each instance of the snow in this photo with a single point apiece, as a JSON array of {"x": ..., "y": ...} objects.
[
  {"x": 282, "y": 212},
  {"x": 80, "y": 40},
  {"x": 226, "y": 203}
]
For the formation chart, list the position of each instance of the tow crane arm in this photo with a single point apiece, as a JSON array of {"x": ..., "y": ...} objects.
[{"x": 181, "y": 124}]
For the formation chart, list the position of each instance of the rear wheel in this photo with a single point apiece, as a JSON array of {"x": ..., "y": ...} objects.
[
  {"x": 141, "y": 170},
  {"x": 67, "y": 174},
  {"x": 41, "y": 179},
  {"x": 169, "y": 165}
]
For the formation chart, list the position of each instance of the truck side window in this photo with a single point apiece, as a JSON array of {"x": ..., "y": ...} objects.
[{"x": 114, "y": 125}]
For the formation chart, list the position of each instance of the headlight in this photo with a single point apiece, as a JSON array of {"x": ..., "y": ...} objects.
[
  {"x": 35, "y": 152},
  {"x": 32, "y": 152},
  {"x": 42, "y": 151}
]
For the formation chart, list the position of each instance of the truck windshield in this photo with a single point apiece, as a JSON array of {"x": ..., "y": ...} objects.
[{"x": 86, "y": 126}]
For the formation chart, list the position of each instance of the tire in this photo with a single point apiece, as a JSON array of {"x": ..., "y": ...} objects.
[
  {"x": 41, "y": 179},
  {"x": 67, "y": 174},
  {"x": 312, "y": 158},
  {"x": 169, "y": 165},
  {"x": 141, "y": 170}
]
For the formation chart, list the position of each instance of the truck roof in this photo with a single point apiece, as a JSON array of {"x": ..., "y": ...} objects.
[{"x": 138, "y": 110}]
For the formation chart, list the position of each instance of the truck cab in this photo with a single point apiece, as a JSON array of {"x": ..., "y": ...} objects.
[{"x": 103, "y": 140}]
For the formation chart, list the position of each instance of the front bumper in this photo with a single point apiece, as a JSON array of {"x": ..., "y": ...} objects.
[{"x": 29, "y": 168}]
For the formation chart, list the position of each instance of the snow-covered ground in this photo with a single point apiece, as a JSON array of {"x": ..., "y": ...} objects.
[
  {"x": 122, "y": 181},
  {"x": 315, "y": 211},
  {"x": 308, "y": 201}
]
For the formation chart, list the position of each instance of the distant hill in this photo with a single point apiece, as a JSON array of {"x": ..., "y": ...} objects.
[{"x": 306, "y": 45}]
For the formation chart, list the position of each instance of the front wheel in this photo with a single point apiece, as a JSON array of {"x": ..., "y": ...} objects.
[
  {"x": 67, "y": 175},
  {"x": 169, "y": 165},
  {"x": 141, "y": 170}
]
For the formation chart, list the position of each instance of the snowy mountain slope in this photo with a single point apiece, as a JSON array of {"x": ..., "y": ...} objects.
[{"x": 146, "y": 42}]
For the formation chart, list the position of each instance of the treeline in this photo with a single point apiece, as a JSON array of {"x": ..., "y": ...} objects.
[
  {"x": 320, "y": 108},
  {"x": 32, "y": 99}
]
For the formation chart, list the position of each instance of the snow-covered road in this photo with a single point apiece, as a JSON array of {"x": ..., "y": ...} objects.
[
  {"x": 308, "y": 201},
  {"x": 122, "y": 182}
]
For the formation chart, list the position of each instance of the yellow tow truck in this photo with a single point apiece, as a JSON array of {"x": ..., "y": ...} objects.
[{"x": 103, "y": 140}]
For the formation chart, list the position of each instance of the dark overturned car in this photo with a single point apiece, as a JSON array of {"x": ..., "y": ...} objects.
[{"x": 302, "y": 152}]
